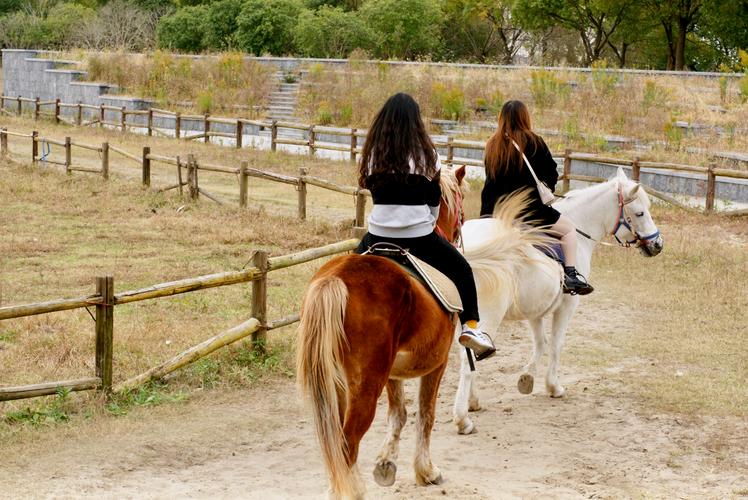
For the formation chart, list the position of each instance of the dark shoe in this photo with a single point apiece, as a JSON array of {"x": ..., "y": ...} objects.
[
  {"x": 480, "y": 343},
  {"x": 575, "y": 283}
]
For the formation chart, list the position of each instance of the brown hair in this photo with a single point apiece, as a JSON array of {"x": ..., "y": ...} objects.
[
  {"x": 396, "y": 136},
  {"x": 514, "y": 124}
]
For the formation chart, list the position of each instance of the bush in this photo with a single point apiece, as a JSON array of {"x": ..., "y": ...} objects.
[
  {"x": 267, "y": 26},
  {"x": 120, "y": 25},
  {"x": 330, "y": 32},
  {"x": 55, "y": 30},
  {"x": 184, "y": 30},
  {"x": 403, "y": 29},
  {"x": 546, "y": 88},
  {"x": 450, "y": 101},
  {"x": 603, "y": 80},
  {"x": 221, "y": 25}
]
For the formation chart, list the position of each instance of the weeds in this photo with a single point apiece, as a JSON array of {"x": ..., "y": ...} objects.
[
  {"x": 44, "y": 414},
  {"x": 151, "y": 394}
]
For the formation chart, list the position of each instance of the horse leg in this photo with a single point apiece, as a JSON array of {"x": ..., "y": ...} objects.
[
  {"x": 464, "y": 394},
  {"x": 386, "y": 468},
  {"x": 527, "y": 379},
  {"x": 426, "y": 472},
  {"x": 561, "y": 319}
]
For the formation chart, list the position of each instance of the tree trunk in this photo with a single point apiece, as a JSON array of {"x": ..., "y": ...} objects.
[{"x": 680, "y": 47}]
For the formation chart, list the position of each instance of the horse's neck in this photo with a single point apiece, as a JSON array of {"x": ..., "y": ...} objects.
[{"x": 594, "y": 211}]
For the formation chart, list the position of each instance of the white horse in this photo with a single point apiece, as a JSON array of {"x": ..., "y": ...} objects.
[{"x": 531, "y": 288}]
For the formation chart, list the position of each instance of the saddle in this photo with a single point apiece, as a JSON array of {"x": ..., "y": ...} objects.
[{"x": 441, "y": 287}]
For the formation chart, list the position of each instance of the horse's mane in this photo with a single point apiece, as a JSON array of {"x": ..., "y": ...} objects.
[
  {"x": 450, "y": 186},
  {"x": 507, "y": 243},
  {"x": 576, "y": 195}
]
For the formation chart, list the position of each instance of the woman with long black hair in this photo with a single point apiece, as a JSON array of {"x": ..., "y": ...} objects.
[
  {"x": 400, "y": 166},
  {"x": 506, "y": 172}
]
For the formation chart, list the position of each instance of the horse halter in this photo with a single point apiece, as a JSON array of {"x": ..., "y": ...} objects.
[{"x": 625, "y": 220}]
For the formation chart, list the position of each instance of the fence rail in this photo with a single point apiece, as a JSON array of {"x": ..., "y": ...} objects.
[{"x": 106, "y": 300}]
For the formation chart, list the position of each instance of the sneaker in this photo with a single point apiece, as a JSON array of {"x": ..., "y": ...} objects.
[
  {"x": 575, "y": 283},
  {"x": 480, "y": 343}
]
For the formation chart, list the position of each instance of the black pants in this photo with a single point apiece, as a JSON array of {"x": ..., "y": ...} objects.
[{"x": 438, "y": 252}]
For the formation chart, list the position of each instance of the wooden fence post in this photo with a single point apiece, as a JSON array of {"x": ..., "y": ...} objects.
[
  {"x": 57, "y": 110},
  {"x": 243, "y": 184},
  {"x": 206, "y": 127},
  {"x": 123, "y": 118},
  {"x": 150, "y": 122},
  {"x": 710, "y": 188},
  {"x": 105, "y": 160},
  {"x": 79, "y": 115},
  {"x": 450, "y": 150},
  {"x": 301, "y": 188},
  {"x": 312, "y": 138},
  {"x": 3, "y": 142},
  {"x": 360, "y": 209},
  {"x": 34, "y": 146},
  {"x": 146, "y": 166},
  {"x": 192, "y": 177},
  {"x": 239, "y": 133},
  {"x": 177, "y": 124},
  {"x": 354, "y": 145},
  {"x": 36, "y": 109},
  {"x": 635, "y": 169},
  {"x": 20, "y": 106},
  {"x": 102, "y": 113},
  {"x": 567, "y": 170},
  {"x": 68, "y": 156},
  {"x": 105, "y": 332},
  {"x": 259, "y": 298},
  {"x": 273, "y": 135},
  {"x": 179, "y": 176}
]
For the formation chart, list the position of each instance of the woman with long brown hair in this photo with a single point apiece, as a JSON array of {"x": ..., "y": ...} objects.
[
  {"x": 401, "y": 168},
  {"x": 506, "y": 172}
]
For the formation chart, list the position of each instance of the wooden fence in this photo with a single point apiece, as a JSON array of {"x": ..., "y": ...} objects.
[
  {"x": 104, "y": 299},
  {"x": 147, "y": 158}
]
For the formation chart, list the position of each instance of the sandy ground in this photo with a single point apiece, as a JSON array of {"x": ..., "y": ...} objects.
[{"x": 597, "y": 442}]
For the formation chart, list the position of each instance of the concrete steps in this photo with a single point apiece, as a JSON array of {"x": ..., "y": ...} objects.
[{"x": 282, "y": 100}]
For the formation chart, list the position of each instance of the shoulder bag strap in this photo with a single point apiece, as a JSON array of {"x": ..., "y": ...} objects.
[{"x": 527, "y": 162}]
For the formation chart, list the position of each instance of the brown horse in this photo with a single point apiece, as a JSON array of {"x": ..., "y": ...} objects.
[{"x": 367, "y": 324}]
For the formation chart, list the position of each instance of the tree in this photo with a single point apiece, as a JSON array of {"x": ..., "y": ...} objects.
[
  {"x": 594, "y": 20},
  {"x": 184, "y": 30},
  {"x": 481, "y": 30},
  {"x": 403, "y": 29},
  {"x": 678, "y": 18},
  {"x": 330, "y": 32},
  {"x": 221, "y": 24},
  {"x": 120, "y": 25},
  {"x": 266, "y": 26}
]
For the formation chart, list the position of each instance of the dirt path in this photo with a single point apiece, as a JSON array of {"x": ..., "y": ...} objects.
[{"x": 259, "y": 444}]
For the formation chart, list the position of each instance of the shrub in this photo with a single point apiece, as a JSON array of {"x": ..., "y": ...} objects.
[
  {"x": 53, "y": 30},
  {"x": 221, "y": 24},
  {"x": 120, "y": 25},
  {"x": 546, "y": 88},
  {"x": 330, "y": 32},
  {"x": 184, "y": 30},
  {"x": 267, "y": 26},
  {"x": 450, "y": 101},
  {"x": 204, "y": 102},
  {"x": 324, "y": 114},
  {"x": 603, "y": 81},
  {"x": 403, "y": 29}
]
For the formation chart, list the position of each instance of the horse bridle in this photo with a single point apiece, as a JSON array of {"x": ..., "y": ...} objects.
[{"x": 624, "y": 220}]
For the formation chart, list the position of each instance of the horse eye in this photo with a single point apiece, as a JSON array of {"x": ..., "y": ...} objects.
[{"x": 640, "y": 214}]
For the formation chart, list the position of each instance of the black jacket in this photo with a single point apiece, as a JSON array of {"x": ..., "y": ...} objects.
[{"x": 519, "y": 178}]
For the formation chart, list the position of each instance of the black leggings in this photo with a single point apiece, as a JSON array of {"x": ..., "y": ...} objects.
[{"x": 438, "y": 252}]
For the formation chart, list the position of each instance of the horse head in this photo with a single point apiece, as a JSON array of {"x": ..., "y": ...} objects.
[
  {"x": 451, "y": 214},
  {"x": 635, "y": 225}
]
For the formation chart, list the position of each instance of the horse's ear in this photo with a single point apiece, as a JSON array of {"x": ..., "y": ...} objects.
[
  {"x": 633, "y": 191},
  {"x": 621, "y": 174},
  {"x": 460, "y": 174}
]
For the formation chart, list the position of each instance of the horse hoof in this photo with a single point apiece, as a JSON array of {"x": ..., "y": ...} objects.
[
  {"x": 384, "y": 473},
  {"x": 436, "y": 481},
  {"x": 556, "y": 392},
  {"x": 525, "y": 383},
  {"x": 428, "y": 481},
  {"x": 466, "y": 428},
  {"x": 474, "y": 405}
]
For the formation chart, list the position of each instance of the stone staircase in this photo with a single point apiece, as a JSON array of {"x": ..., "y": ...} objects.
[{"x": 282, "y": 105}]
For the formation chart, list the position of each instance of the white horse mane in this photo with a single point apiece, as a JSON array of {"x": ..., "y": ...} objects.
[{"x": 579, "y": 196}]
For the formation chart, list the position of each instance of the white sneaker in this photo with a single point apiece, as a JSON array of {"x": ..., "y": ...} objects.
[{"x": 480, "y": 343}]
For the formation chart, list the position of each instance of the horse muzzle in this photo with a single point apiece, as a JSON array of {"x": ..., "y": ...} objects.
[{"x": 650, "y": 248}]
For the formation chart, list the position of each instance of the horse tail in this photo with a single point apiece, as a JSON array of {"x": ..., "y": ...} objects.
[
  {"x": 505, "y": 244},
  {"x": 320, "y": 375}
]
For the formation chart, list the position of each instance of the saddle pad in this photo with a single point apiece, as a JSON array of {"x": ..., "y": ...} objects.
[
  {"x": 434, "y": 280},
  {"x": 442, "y": 287}
]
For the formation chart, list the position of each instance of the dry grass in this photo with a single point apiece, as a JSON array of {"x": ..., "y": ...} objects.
[
  {"x": 685, "y": 348},
  {"x": 586, "y": 107}
]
